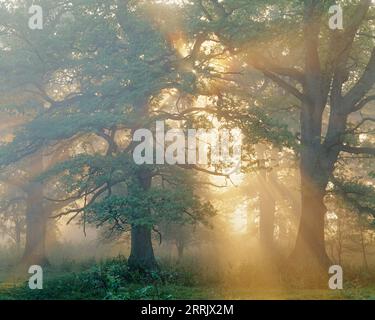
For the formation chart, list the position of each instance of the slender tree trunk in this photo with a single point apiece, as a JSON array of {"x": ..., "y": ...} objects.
[
  {"x": 363, "y": 246},
  {"x": 283, "y": 233},
  {"x": 36, "y": 225},
  {"x": 267, "y": 206},
  {"x": 142, "y": 253},
  {"x": 18, "y": 237},
  {"x": 251, "y": 227},
  {"x": 267, "y": 203},
  {"x": 332, "y": 251},
  {"x": 180, "y": 249},
  {"x": 340, "y": 241}
]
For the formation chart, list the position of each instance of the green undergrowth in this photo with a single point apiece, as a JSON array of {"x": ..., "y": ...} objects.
[{"x": 111, "y": 279}]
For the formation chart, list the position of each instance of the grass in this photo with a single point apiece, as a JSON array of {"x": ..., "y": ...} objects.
[{"x": 111, "y": 279}]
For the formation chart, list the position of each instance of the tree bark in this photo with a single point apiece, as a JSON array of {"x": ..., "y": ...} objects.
[
  {"x": 339, "y": 240},
  {"x": 180, "y": 245},
  {"x": 36, "y": 226},
  {"x": 316, "y": 166},
  {"x": 142, "y": 253},
  {"x": 310, "y": 245},
  {"x": 18, "y": 236}
]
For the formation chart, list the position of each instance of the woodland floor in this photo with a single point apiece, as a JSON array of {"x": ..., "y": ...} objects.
[{"x": 112, "y": 280}]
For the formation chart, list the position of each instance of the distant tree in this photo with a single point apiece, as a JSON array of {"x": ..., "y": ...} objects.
[
  {"x": 329, "y": 73},
  {"x": 99, "y": 83},
  {"x": 12, "y": 219}
]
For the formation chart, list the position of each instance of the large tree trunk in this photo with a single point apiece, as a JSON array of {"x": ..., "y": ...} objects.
[
  {"x": 310, "y": 245},
  {"x": 36, "y": 225},
  {"x": 142, "y": 253},
  {"x": 316, "y": 165},
  {"x": 309, "y": 260}
]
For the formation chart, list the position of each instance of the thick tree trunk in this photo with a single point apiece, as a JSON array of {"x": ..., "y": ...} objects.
[
  {"x": 36, "y": 225},
  {"x": 142, "y": 253},
  {"x": 309, "y": 260},
  {"x": 310, "y": 246},
  {"x": 309, "y": 257}
]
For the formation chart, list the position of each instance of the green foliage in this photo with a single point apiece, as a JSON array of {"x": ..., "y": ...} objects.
[
  {"x": 358, "y": 195},
  {"x": 261, "y": 128},
  {"x": 105, "y": 77},
  {"x": 109, "y": 280},
  {"x": 112, "y": 280}
]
